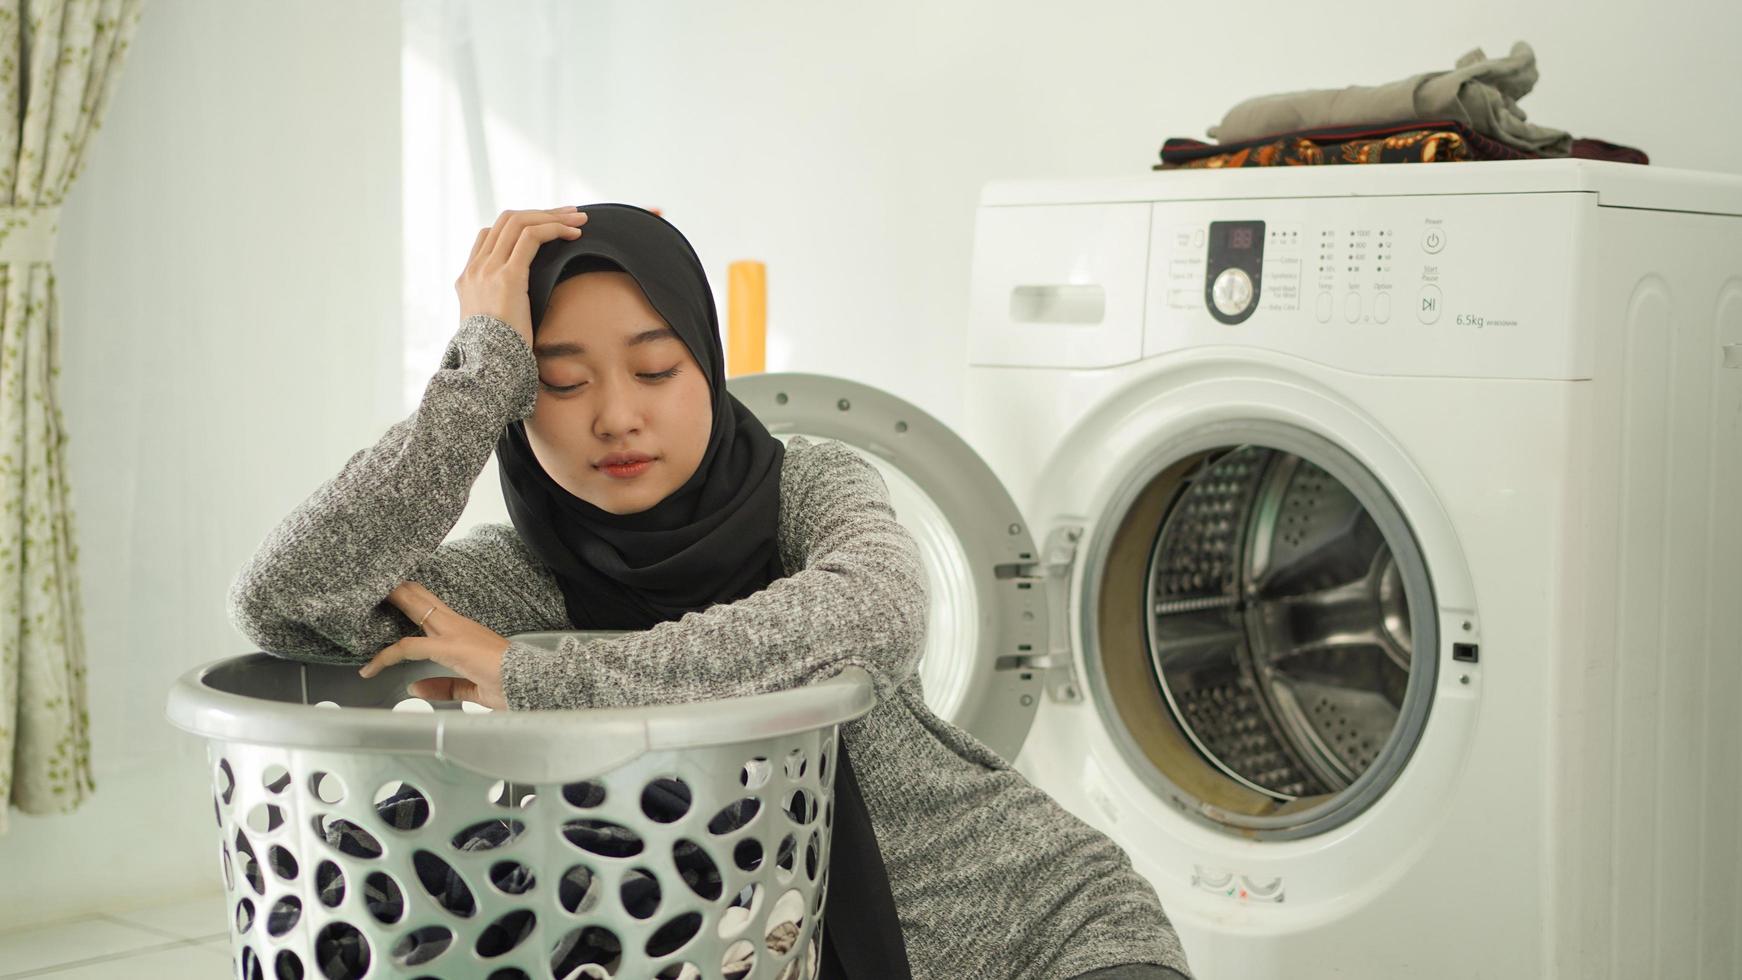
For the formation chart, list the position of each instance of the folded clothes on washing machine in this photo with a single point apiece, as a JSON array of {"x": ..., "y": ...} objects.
[
  {"x": 1479, "y": 92},
  {"x": 1403, "y": 141}
]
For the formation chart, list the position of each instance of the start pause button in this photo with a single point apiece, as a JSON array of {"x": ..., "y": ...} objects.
[{"x": 1428, "y": 307}]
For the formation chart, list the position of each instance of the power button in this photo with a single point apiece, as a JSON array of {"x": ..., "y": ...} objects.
[{"x": 1433, "y": 240}]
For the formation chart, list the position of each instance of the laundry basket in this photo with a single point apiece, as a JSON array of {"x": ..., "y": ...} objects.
[{"x": 366, "y": 834}]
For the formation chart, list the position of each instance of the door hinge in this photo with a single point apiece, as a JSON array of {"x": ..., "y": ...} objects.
[{"x": 1052, "y": 573}]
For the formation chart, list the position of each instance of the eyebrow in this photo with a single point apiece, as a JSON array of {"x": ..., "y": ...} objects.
[{"x": 566, "y": 349}]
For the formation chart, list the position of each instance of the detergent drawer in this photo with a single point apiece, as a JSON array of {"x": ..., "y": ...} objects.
[{"x": 1058, "y": 285}]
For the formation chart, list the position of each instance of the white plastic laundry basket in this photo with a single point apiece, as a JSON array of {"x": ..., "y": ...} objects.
[{"x": 365, "y": 835}]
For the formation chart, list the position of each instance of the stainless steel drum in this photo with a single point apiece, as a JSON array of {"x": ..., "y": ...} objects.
[{"x": 1265, "y": 633}]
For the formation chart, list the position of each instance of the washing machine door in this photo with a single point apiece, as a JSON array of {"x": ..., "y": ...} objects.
[{"x": 987, "y": 655}]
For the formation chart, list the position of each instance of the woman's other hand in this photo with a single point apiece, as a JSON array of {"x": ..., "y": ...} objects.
[
  {"x": 468, "y": 648},
  {"x": 495, "y": 277}
]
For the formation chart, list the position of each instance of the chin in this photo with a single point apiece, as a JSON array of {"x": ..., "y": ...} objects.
[{"x": 625, "y": 503}]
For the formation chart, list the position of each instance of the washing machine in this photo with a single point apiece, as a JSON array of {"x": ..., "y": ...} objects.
[{"x": 1358, "y": 546}]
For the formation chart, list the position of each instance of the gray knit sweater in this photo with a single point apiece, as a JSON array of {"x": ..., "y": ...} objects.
[{"x": 992, "y": 879}]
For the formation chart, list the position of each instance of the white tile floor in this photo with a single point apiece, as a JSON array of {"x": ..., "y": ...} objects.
[{"x": 185, "y": 940}]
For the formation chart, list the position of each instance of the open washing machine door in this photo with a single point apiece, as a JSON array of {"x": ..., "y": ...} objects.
[{"x": 990, "y": 650}]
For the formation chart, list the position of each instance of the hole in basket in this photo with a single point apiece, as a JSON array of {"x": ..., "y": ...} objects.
[
  {"x": 602, "y": 837},
  {"x": 737, "y": 915},
  {"x": 813, "y": 855},
  {"x": 443, "y": 884},
  {"x": 822, "y": 894},
  {"x": 342, "y": 952},
  {"x": 511, "y": 878},
  {"x": 326, "y": 787},
  {"x": 666, "y": 800},
  {"x": 786, "y": 858},
  {"x": 748, "y": 854},
  {"x": 414, "y": 706},
  {"x": 226, "y": 780},
  {"x": 250, "y": 864},
  {"x": 329, "y": 884},
  {"x": 795, "y": 764},
  {"x": 585, "y": 795},
  {"x": 218, "y": 813},
  {"x": 251, "y": 964},
  {"x": 332, "y": 705},
  {"x": 401, "y": 805},
  {"x": 735, "y": 816},
  {"x": 697, "y": 869},
  {"x": 785, "y": 922},
  {"x": 823, "y": 765},
  {"x": 679, "y": 971},
  {"x": 639, "y": 891},
  {"x": 576, "y": 892},
  {"x": 282, "y": 862},
  {"x": 739, "y": 960},
  {"x": 507, "y": 794},
  {"x": 244, "y": 915},
  {"x": 488, "y": 835},
  {"x": 229, "y": 875},
  {"x": 421, "y": 945},
  {"x": 346, "y": 837},
  {"x": 284, "y": 915},
  {"x": 755, "y": 773},
  {"x": 383, "y": 898},
  {"x": 801, "y": 806},
  {"x": 506, "y": 933},
  {"x": 506, "y": 973},
  {"x": 289, "y": 967},
  {"x": 674, "y": 935},
  {"x": 474, "y": 708},
  {"x": 590, "y": 945},
  {"x": 264, "y": 818},
  {"x": 275, "y": 778}
]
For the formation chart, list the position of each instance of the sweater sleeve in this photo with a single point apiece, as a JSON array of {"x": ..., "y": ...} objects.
[
  {"x": 856, "y": 597},
  {"x": 316, "y": 587}
]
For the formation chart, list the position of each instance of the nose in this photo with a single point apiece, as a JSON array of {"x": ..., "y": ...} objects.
[{"x": 619, "y": 411}]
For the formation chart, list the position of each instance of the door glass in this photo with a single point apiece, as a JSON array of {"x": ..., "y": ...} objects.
[{"x": 1267, "y": 634}]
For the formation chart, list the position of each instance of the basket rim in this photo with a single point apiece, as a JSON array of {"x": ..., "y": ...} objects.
[{"x": 508, "y": 744}]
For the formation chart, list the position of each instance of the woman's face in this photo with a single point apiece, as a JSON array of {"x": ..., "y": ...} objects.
[{"x": 634, "y": 420}]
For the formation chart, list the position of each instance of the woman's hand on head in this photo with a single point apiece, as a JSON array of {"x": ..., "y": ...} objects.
[
  {"x": 468, "y": 648},
  {"x": 495, "y": 277}
]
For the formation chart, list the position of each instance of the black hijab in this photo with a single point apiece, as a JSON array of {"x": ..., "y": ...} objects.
[{"x": 712, "y": 540}]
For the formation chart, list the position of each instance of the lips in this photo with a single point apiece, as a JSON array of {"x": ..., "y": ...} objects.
[{"x": 624, "y": 466}]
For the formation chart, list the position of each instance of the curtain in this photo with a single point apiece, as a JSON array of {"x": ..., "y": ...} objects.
[{"x": 60, "y": 62}]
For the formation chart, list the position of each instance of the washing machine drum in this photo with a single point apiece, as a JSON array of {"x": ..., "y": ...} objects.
[{"x": 1278, "y": 631}]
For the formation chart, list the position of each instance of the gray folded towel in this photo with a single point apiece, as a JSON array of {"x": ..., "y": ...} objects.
[{"x": 1481, "y": 92}]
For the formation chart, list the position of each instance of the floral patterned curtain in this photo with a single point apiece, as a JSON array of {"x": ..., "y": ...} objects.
[{"x": 60, "y": 62}]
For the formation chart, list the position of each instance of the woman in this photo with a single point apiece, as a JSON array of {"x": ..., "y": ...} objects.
[{"x": 645, "y": 497}]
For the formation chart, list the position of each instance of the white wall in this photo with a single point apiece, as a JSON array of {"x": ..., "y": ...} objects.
[
  {"x": 229, "y": 275},
  {"x": 230, "y": 262}
]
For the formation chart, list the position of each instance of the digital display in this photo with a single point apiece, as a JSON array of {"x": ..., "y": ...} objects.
[{"x": 1240, "y": 237}]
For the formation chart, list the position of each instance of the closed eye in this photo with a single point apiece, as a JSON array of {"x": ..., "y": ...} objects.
[{"x": 649, "y": 375}]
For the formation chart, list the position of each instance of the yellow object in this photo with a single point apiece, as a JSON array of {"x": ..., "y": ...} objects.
[{"x": 746, "y": 318}]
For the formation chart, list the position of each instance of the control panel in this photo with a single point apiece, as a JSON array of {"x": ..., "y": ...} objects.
[
  {"x": 1448, "y": 285},
  {"x": 1478, "y": 285}
]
